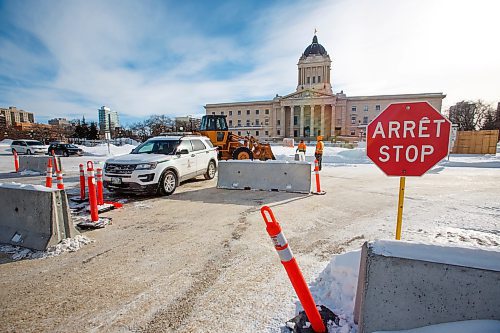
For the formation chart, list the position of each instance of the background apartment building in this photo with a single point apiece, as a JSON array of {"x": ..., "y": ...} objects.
[
  {"x": 108, "y": 120},
  {"x": 314, "y": 108},
  {"x": 13, "y": 115}
]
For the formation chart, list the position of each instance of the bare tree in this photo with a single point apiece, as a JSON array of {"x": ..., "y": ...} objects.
[{"x": 469, "y": 115}]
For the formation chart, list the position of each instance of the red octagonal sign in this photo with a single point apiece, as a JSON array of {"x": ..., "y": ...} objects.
[{"x": 407, "y": 139}]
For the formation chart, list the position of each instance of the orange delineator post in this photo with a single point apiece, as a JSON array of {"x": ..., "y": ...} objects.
[
  {"x": 48, "y": 175},
  {"x": 94, "y": 214},
  {"x": 100, "y": 196},
  {"x": 316, "y": 170},
  {"x": 16, "y": 161},
  {"x": 292, "y": 269},
  {"x": 82, "y": 182}
]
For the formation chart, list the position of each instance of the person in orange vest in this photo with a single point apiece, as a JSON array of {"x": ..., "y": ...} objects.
[
  {"x": 301, "y": 149},
  {"x": 320, "y": 146}
]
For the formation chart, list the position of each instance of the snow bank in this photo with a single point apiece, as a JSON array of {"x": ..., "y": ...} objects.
[
  {"x": 451, "y": 255},
  {"x": 468, "y": 326},
  {"x": 66, "y": 245},
  {"x": 336, "y": 288},
  {"x": 335, "y": 155},
  {"x": 27, "y": 187},
  {"x": 102, "y": 150}
]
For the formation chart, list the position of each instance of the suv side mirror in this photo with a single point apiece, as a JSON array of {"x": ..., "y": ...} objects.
[{"x": 183, "y": 152}]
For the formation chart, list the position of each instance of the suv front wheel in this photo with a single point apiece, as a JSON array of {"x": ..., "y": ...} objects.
[
  {"x": 168, "y": 183},
  {"x": 211, "y": 169}
]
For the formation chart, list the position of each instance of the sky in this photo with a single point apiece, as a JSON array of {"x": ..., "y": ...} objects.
[{"x": 68, "y": 58}]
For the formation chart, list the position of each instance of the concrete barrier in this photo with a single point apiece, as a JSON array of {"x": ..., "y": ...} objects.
[
  {"x": 269, "y": 175},
  {"x": 34, "y": 216},
  {"x": 36, "y": 163},
  {"x": 406, "y": 285}
]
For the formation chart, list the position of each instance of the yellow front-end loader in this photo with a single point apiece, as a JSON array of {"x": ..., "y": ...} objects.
[{"x": 232, "y": 146}]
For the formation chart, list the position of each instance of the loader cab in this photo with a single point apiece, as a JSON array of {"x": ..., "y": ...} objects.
[{"x": 215, "y": 127}]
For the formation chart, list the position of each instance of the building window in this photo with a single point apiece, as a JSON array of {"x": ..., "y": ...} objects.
[
  {"x": 230, "y": 123},
  {"x": 257, "y": 122},
  {"x": 314, "y": 79},
  {"x": 353, "y": 108},
  {"x": 353, "y": 132},
  {"x": 319, "y": 79},
  {"x": 239, "y": 112},
  {"x": 256, "y": 133},
  {"x": 365, "y": 120},
  {"x": 230, "y": 113},
  {"x": 295, "y": 120},
  {"x": 248, "y": 122},
  {"x": 248, "y": 111},
  {"x": 256, "y": 111},
  {"x": 239, "y": 133},
  {"x": 266, "y": 121},
  {"x": 365, "y": 108},
  {"x": 222, "y": 112},
  {"x": 239, "y": 122},
  {"x": 377, "y": 107},
  {"x": 266, "y": 133},
  {"x": 353, "y": 120},
  {"x": 267, "y": 111},
  {"x": 278, "y": 122},
  {"x": 308, "y": 79},
  {"x": 278, "y": 132}
]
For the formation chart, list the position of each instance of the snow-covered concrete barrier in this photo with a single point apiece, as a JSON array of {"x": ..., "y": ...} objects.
[
  {"x": 34, "y": 216},
  {"x": 405, "y": 285},
  {"x": 268, "y": 175},
  {"x": 36, "y": 163}
]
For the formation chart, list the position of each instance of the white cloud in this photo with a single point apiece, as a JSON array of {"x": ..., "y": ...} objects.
[{"x": 377, "y": 47}]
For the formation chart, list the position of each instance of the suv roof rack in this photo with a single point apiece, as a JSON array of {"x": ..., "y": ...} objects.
[{"x": 179, "y": 134}]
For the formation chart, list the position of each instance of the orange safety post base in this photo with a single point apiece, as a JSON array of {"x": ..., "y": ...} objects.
[
  {"x": 16, "y": 161},
  {"x": 318, "y": 324},
  {"x": 318, "y": 184},
  {"x": 48, "y": 175}
]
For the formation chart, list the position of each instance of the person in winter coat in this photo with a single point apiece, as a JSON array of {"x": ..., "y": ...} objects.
[
  {"x": 301, "y": 149},
  {"x": 320, "y": 146}
]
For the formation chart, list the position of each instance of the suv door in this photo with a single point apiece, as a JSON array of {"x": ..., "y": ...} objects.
[
  {"x": 186, "y": 163},
  {"x": 202, "y": 155}
]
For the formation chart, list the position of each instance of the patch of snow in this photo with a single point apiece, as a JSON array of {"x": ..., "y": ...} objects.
[
  {"x": 467, "y": 326},
  {"x": 29, "y": 173},
  {"x": 446, "y": 254},
  {"x": 336, "y": 288},
  {"x": 66, "y": 245},
  {"x": 102, "y": 150},
  {"x": 29, "y": 187}
]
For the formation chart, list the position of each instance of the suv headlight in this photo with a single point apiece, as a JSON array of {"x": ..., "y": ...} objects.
[{"x": 146, "y": 166}]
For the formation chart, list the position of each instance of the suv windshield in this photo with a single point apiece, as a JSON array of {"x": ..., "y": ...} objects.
[
  {"x": 34, "y": 143},
  {"x": 166, "y": 147}
]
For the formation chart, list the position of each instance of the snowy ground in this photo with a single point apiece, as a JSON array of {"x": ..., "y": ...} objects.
[{"x": 201, "y": 260}]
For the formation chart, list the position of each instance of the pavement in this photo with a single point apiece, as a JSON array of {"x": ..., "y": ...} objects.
[{"x": 201, "y": 260}]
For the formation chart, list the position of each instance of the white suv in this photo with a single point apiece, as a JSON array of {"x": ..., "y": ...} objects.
[
  {"x": 28, "y": 147},
  {"x": 160, "y": 164}
]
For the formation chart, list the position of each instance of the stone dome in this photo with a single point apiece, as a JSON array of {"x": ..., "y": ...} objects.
[{"x": 315, "y": 48}]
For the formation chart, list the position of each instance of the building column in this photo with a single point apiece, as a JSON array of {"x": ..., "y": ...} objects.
[
  {"x": 333, "y": 121},
  {"x": 291, "y": 121},
  {"x": 282, "y": 122},
  {"x": 322, "y": 125},
  {"x": 311, "y": 126},
  {"x": 301, "y": 129}
]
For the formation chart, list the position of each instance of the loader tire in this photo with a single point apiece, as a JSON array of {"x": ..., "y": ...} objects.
[{"x": 242, "y": 153}]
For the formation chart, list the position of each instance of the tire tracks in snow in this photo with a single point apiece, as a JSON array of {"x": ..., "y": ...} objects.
[{"x": 175, "y": 314}]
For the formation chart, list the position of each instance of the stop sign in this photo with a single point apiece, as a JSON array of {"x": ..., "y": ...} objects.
[{"x": 407, "y": 139}]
